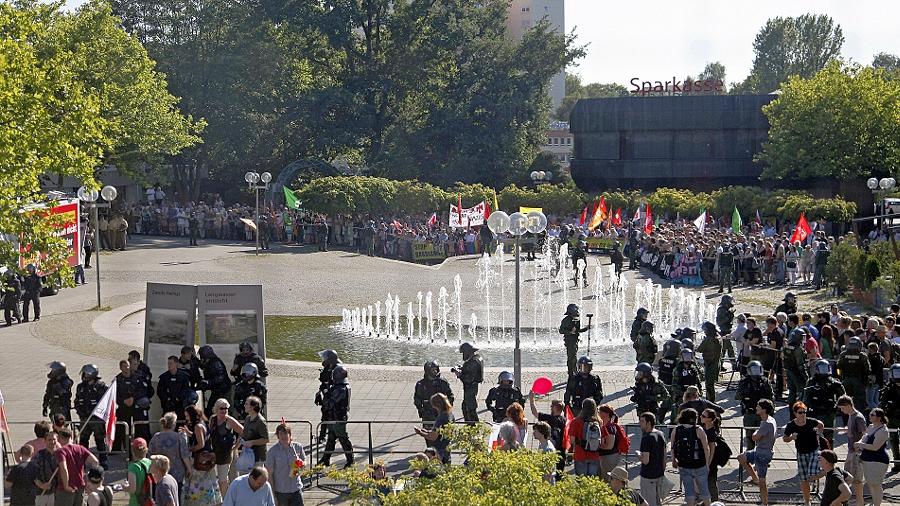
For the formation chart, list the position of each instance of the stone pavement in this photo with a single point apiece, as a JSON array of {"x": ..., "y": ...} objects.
[{"x": 298, "y": 281}]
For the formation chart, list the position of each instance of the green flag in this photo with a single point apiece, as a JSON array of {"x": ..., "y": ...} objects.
[
  {"x": 290, "y": 199},
  {"x": 736, "y": 221}
]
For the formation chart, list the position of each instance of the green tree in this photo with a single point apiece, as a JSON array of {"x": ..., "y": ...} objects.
[
  {"x": 575, "y": 91},
  {"x": 50, "y": 124},
  {"x": 714, "y": 71},
  {"x": 842, "y": 265},
  {"x": 787, "y": 47},
  {"x": 843, "y": 123},
  {"x": 886, "y": 61}
]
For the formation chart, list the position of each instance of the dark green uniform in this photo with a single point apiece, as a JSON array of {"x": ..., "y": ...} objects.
[
  {"x": 750, "y": 390},
  {"x": 582, "y": 386},
  {"x": 726, "y": 268},
  {"x": 725, "y": 322},
  {"x": 854, "y": 370},
  {"x": 650, "y": 396},
  {"x": 793, "y": 358},
  {"x": 571, "y": 329},
  {"x": 685, "y": 375},
  {"x": 820, "y": 396},
  {"x": 646, "y": 348},
  {"x": 471, "y": 374},
  {"x": 711, "y": 349}
]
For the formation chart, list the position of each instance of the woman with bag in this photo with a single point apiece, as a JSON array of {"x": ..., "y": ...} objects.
[
  {"x": 712, "y": 426},
  {"x": 609, "y": 444},
  {"x": 223, "y": 432},
  {"x": 201, "y": 487},
  {"x": 874, "y": 458},
  {"x": 442, "y": 405}
]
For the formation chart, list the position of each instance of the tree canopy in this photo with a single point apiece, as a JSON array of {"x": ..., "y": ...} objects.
[
  {"x": 842, "y": 123},
  {"x": 575, "y": 91}
]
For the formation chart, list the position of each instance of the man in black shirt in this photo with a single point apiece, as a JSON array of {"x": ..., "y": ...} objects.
[
  {"x": 20, "y": 481},
  {"x": 654, "y": 486},
  {"x": 557, "y": 422},
  {"x": 836, "y": 490},
  {"x": 804, "y": 432}
]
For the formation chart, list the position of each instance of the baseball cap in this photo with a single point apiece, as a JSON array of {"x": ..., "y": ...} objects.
[{"x": 139, "y": 442}]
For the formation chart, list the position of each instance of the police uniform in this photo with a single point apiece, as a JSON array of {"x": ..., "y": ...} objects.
[
  {"x": 854, "y": 369},
  {"x": 173, "y": 389},
  {"x": 425, "y": 388},
  {"x": 725, "y": 322},
  {"x": 686, "y": 374},
  {"x": 649, "y": 396},
  {"x": 820, "y": 396},
  {"x": 245, "y": 389},
  {"x": 726, "y": 268},
  {"x": 87, "y": 396},
  {"x": 711, "y": 349},
  {"x": 58, "y": 396},
  {"x": 571, "y": 329},
  {"x": 471, "y": 374},
  {"x": 750, "y": 390},
  {"x": 793, "y": 358},
  {"x": 192, "y": 367},
  {"x": 501, "y": 397},
  {"x": 31, "y": 294},
  {"x": 582, "y": 386},
  {"x": 636, "y": 326},
  {"x": 667, "y": 363},
  {"x": 215, "y": 378},
  {"x": 646, "y": 351},
  {"x": 324, "y": 385},
  {"x": 578, "y": 254},
  {"x": 336, "y": 408},
  {"x": 12, "y": 292},
  {"x": 240, "y": 360}
]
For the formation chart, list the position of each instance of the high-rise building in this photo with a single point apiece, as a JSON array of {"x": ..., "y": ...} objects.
[{"x": 523, "y": 14}]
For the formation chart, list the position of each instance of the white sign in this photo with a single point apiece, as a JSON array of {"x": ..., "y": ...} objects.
[
  {"x": 471, "y": 217},
  {"x": 230, "y": 315},
  {"x": 169, "y": 321}
]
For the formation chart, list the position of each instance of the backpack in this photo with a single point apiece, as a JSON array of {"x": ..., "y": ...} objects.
[
  {"x": 145, "y": 495},
  {"x": 622, "y": 444},
  {"x": 687, "y": 448},
  {"x": 723, "y": 452},
  {"x": 591, "y": 436}
]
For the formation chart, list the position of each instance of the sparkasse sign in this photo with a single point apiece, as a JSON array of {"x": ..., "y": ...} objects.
[{"x": 675, "y": 87}]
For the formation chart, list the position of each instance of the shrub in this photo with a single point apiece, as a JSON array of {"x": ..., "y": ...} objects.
[{"x": 842, "y": 267}]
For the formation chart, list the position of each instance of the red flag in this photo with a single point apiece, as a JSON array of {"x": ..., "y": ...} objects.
[
  {"x": 802, "y": 230},
  {"x": 648, "y": 221},
  {"x": 758, "y": 218},
  {"x": 603, "y": 208},
  {"x": 583, "y": 216},
  {"x": 569, "y": 418},
  {"x": 617, "y": 218},
  {"x": 637, "y": 214},
  {"x": 397, "y": 225},
  {"x": 106, "y": 411},
  {"x": 487, "y": 210},
  {"x": 433, "y": 220}
]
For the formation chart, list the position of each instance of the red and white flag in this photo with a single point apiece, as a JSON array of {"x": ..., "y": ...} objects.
[
  {"x": 433, "y": 220},
  {"x": 106, "y": 411},
  {"x": 648, "y": 221},
  {"x": 4, "y": 424},
  {"x": 802, "y": 230}
]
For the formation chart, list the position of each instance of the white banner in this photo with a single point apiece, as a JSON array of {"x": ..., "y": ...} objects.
[{"x": 471, "y": 217}]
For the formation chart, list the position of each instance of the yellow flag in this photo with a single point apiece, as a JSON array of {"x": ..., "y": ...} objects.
[{"x": 526, "y": 210}]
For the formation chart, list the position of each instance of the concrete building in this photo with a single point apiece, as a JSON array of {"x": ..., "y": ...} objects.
[
  {"x": 699, "y": 142},
  {"x": 523, "y": 14},
  {"x": 560, "y": 143}
]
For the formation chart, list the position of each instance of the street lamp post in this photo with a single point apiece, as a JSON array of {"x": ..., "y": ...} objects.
[
  {"x": 541, "y": 176},
  {"x": 517, "y": 224},
  {"x": 252, "y": 179},
  {"x": 89, "y": 197},
  {"x": 882, "y": 186}
]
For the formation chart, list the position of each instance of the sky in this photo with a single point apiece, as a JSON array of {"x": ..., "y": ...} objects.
[{"x": 656, "y": 40}]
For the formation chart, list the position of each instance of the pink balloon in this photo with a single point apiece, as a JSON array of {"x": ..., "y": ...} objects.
[{"x": 542, "y": 386}]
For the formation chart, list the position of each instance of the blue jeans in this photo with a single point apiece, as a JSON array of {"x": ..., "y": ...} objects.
[
  {"x": 779, "y": 271},
  {"x": 688, "y": 479},
  {"x": 587, "y": 467},
  {"x": 872, "y": 396}
]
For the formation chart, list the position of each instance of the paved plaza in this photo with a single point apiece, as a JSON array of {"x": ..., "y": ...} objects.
[{"x": 299, "y": 281}]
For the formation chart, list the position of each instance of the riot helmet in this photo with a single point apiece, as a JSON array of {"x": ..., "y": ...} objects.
[
  {"x": 642, "y": 313},
  {"x": 643, "y": 370},
  {"x": 789, "y": 297},
  {"x": 246, "y": 347},
  {"x": 57, "y": 369},
  {"x": 505, "y": 378},
  {"x": 190, "y": 398},
  {"x": 206, "y": 353},
  {"x": 572, "y": 310},
  {"x": 677, "y": 335},
  {"x": 646, "y": 327},
  {"x": 585, "y": 365},
  {"x": 90, "y": 372},
  {"x": 823, "y": 368},
  {"x": 671, "y": 348},
  {"x": 687, "y": 344},
  {"x": 854, "y": 345},
  {"x": 329, "y": 358},
  {"x": 796, "y": 337},
  {"x": 249, "y": 371},
  {"x": 31, "y": 268},
  {"x": 687, "y": 355},
  {"x": 432, "y": 369},
  {"x": 755, "y": 369},
  {"x": 727, "y": 300},
  {"x": 894, "y": 373},
  {"x": 467, "y": 350},
  {"x": 688, "y": 333},
  {"x": 339, "y": 375}
]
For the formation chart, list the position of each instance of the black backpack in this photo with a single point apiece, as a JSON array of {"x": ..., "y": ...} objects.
[
  {"x": 723, "y": 452},
  {"x": 687, "y": 448}
]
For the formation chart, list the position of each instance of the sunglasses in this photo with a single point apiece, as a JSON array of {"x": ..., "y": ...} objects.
[
  {"x": 801, "y": 412},
  {"x": 223, "y": 408}
]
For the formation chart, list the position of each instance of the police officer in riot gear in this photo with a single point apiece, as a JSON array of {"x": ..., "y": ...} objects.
[
  {"x": 581, "y": 386},
  {"x": 215, "y": 378},
  {"x": 430, "y": 384},
  {"x": 687, "y": 334},
  {"x": 793, "y": 359},
  {"x": 87, "y": 396},
  {"x": 636, "y": 326},
  {"x": 821, "y": 395},
  {"x": 330, "y": 360},
  {"x": 471, "y": 373},
  {"x": 12, "y": 292},
  {"x": 579, "y": 258},
  {"x": 646, "y": 345},
  {"x": 751, "y": 389},
  {"x": 725, "y": 322},
  {"x": 571, "y": 329},
  {"x": 854, "y": 369},
  {"x": 711, "y": 349},
  {"x": 31, "y": 293},
  {"x": 670, "y": 357},
  {"x": 336, "y": 408},
  {"x": 501, "y": 396},
  {"x": 133, "y": 403},
  {"x": 173, "y": 387},
  {"x": 190, "y": 363},
  {"x": 788, "y": 306},
  {"x": 246, "y": 356},
  {"x": 649, "y": 394},
  {"x": 726, "y": 267},
  {"x": 890, "y": 401},
  {"x": 249, "y": 386},
  {"x": 58, "y": 394},
  {"x": 687, "y": 373}
]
